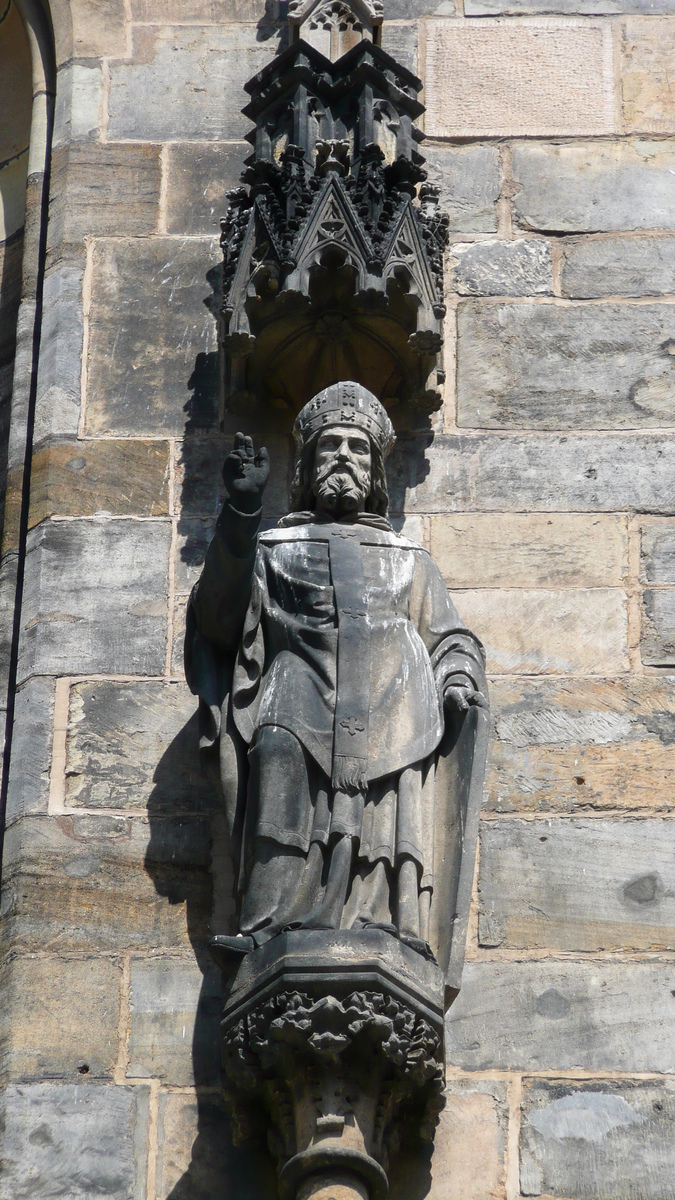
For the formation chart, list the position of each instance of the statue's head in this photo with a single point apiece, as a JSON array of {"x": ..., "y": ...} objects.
[{"x": 343, "y": 436}]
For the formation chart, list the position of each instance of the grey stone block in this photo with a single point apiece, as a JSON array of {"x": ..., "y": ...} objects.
[
  {"x": 401, "y": 42},
  {"x": 199, "y": 480},
  {"x": 174, "y": 1032},
  {"x": 32, "y": 739},
  {"x": 21, "y": 381},
  {"x": 95, "y": 598},
  {"x": 78, "y": 103},
  {"x": 59, "y": 374},
  {"x": 199, "y": 176},
  {"x": 490, "y": 8},
  {"x": 546, "y": 366},
  {"x": 599, "y": 1140},
  {"x": 535, "y": 472},
  {"x": 499, "y": 268},
  {"x": 185, "y": 83},
  {"x": 468, "y": 177},
  {"x": 657, "y": 640},
  {"x": 74, "y": 1141},
  {"x": 559, "y": 1016},
  {"x": 657, "y": 553},
  {"x": 578, "y": 885},
  {"x": 595, "y": 187},
  {"x": 194, "y": 537},
  {"x": 613, "y": 266},
  {"x": 152, "y": 348},
  {"x": 134, "y": 744}
]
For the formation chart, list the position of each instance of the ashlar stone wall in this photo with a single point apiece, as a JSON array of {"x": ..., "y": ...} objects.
[{"x": 546, "y": 492}]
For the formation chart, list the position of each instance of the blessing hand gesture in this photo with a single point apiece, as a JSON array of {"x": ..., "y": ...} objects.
[{"x": 245, "y": 474}]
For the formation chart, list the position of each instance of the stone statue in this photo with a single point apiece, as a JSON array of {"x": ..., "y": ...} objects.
[{"x": 335, "y": 678}]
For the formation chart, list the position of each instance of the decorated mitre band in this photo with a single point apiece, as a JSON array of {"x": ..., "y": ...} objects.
[{"x": 345, "y": 404}]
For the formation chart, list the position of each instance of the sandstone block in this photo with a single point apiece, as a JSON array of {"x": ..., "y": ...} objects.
[
  {"x": 598, "y": 1139},
  {"x": 629, "y": 266},
  {"x": 593, "y": 1016},
  {"x": 79, "y": 94},
  {"x": 500, "y": 268},
  {"x": 657, "y": 640},
  {"x": 657, "y": 553},
  {"x": 95, "y": 598},
  {"x": 216, "y": 12},
  {"x": 196, "y": 1152},
  {"x": 538, "y": 78},
  {"x": 98, "y": 28},
  {"x": 105, "y": 883},
  {"x": 60, "y": 367},
  {"x": 399, "y": 10},
  {"x": 177, "y": 650},
  {"x": 148, "y": 346},
  {"x": 200, "y": 175},
  {"x": 175, "y": 1021},
  {"x": 557, "y": 632},
  {"x": 567, "y": 745},
  {"x": 160, "y": 722},
  {"x": 486, "y": 8},
  {"x": 45, "y": 1038},
  {"x": 173, "y": 88},
  {"x": 87, "y": 478},
  {"x": 32, "y": 739},
  {"x": 647, "y": 63},
  {"x": 468, "y": 177},
  {"x": 99, "y": 190},
  {"x": 530, "y": 549},
  {"x": 589, "y": 188},
  {"x": 577, "y": 885},
  {"x": 8, "y": 580},
  {"x": 52, "y": 1144},
  {"x": 565, "y": 367}
]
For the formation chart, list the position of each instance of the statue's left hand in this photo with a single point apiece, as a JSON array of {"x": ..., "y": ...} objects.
[{"x": 461, "y": 694}]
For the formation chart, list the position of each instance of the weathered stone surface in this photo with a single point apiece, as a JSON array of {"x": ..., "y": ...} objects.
[
  {"x": 558, "y": 632},
  {"x": 174, "y": 1032},
  {"x": 177, "y": 652},
  {"x": 398, "y": 10},
  {"x": 134, "y": 744},
  {"x": 468, "y": 177},
  {"x": 98, "y": 28},
  {"x": 486, "y": 8},
  {"x": 52, "y": 1143},
  {"x": 535, "y": 79},
  {"x": 628, "y": 266},
  {"x": 194, "y": 537},
  {"x": 32, "y": 738},
  {"x": 60, "y": 369},
  {"x": 565, "y": 745},
  {"x": 43, "y": 1037},
  {"x": 199, "y": 479},
  {"x": 657, "y": 640},
  {"x": 657, "y": 552},
  {"x": 530, "y": 549},
  {"x": 106, "y": 883},
  {"x": 101, "y": 190},
  {"x": 78, "y": 103},
  {"x": 149, "y": 346},
  {"x": 500, "y": 268},
  {"x": 467, "y": 1160},
  {"x": 216, "y": 12},
  {"x": 95, "y": 598},
  {"x": 174, "y": 87},
  {"x": 598, "y": 1140},
  {"x": 578, "y": 885},
  {"x": 595, "y": 1016},
  {"x": 199, "y": 177},
  {"x": 647, "y": 63},
  {"x": 549, "y": 366},
  {"x": 600, "y": 186},
  {"x": 401, "y": 42}
]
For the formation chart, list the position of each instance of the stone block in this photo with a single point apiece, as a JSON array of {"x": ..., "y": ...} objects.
[
  {"x": 563, "y": 1016},
  {"x": 177, "y": 649},
  {"x": 500, "y": 268},
  {"x": 79, "y": 96},
  {"x": 199, "y": 176},
  {"x": 575, "y": 885},
  {"x": 32, "y": 738},
  {"x": 43, "y": 1037},
  {"x": 487, "y": 8},
  {"x": 98, "y": 28},
  {"x": 216, "y": 12},
  {"x": 60, "y": 368},
  {"x": 477, "y": 550},
  {"x": 134, "y": 745},
  {"x": 575, "y": 744},
  {"x": 657, "y": 552},
  {"x": 657, "y": 639},
  {"x": 647, "y": 64},
  {"x": 628, "y": 266},
  {"x": 100, "y": 190},
  {"x": 199, "y": 480},
  {"x": 95, "y": 598},
  {"x": 104, "y": 883},
  {"x": 537, "y": 78},
  {"x": 74, "y": 1140},
  {"x": 588, "y": 188},
  {"x": 598, "y": 1140},
  {"x": 468, "y": 177},
  {"x": 174, "y": 1031},
  {"x": 547, "y": 366},
  {"x": 401, "y": 42},
  {"x": 194, "y": 537},
  {"x": 149, "y": 346},
  {"x": 554, "y": 632},
  {"x": 173, "y": 88}
]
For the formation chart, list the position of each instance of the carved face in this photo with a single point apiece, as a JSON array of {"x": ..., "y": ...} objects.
[{"x": 341, "y": 478}]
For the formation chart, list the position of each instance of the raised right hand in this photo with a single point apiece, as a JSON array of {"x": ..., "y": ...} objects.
[{"x": 245, "y": 474}]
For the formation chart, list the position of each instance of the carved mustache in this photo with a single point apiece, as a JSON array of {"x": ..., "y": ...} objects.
[{"x": 337, "y": 476}]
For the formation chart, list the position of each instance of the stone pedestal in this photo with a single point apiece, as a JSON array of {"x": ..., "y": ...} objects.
[{"x": 332, "y": 1043}]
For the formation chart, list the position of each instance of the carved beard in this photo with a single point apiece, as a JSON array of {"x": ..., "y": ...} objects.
[{"x": 341, "y": 489}]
